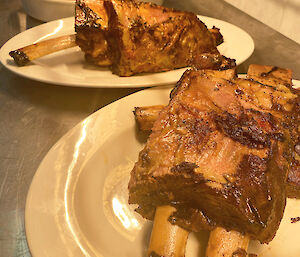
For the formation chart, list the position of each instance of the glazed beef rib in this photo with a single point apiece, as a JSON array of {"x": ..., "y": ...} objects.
[
  {"x": 136, "y": 37},
  {"x": 219, "y": 152},
  {"x": 91, "y": 22},
  {"x": 282, "y": 80},
  {"x": 269, "y": 75}
]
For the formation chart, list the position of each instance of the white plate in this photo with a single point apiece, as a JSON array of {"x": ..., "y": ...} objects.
[
  {"x": 77, "y": 202},
  {"x": 69, "y": 68},
  {"x": 48, "y": 10}
]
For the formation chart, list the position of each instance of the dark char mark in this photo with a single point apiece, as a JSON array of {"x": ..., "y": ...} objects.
[{"x": 265, "y": 74}]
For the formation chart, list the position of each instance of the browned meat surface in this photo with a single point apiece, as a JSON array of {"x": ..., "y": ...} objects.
[
  {"x": 90, "y": 23},
  {"x": 143, "y": 37},
  {"x": 217, "y": 35},
  {"x": 219, "y": 152},
  {"x": 282, "y": 80},
  {"x": 269, "y": 75},
  {"x": 146, "y": 116}
]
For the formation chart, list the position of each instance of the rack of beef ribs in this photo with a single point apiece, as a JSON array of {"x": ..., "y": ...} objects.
[
  {"x": 282, "y": 80},
  {"x": 268, "y": 75},
  {"x": 220, "y": 153},
  {"x": 135, "y": 37}
]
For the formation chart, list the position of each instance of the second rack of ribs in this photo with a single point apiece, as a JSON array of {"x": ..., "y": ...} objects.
[
  {"x": 136, "y": 37},
  {"x": 219, "y": 154}
]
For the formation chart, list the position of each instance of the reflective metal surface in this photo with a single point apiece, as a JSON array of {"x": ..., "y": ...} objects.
[{"x": 34, "y": 115}]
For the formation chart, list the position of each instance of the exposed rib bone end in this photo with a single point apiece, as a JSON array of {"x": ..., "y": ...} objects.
[
  {"x": 24, "y": 55},
  {"x": 224, "y": 243},
  {"x": 19, "y": 57},
  {"x": 166, "y": 240}
]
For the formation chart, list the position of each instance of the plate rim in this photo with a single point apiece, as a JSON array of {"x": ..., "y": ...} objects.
[{"x": 31, "y": 241}]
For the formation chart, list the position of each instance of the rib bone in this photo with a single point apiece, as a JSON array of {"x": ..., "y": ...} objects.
[{"x": 24, "y": 55}]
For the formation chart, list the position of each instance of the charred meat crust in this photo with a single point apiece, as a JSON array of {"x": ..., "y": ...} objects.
[
  {"x": 247, "y": 131},
  {"x": 230, "y": 201},
  {"x": 281, "y": 79},
  {"x": 217, "y": 35},
  {"x": 143, "y": 37},
  {"x": 86, "y": 17},
  {"x": 293, "y": 185},
  {"x": 161, "y": 46},
  {"x": 90, "y": 27},
  {"x": 241, "y": 185}
]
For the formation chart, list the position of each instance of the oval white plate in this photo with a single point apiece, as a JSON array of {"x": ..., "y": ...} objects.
[
  {"x": 48, "y": 10},
  {"x": 68, "y": 67},
  {"x": 77, "y": 202}
]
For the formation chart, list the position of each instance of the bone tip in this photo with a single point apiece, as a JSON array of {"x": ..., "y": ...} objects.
[{"x": 19, "y": 57}]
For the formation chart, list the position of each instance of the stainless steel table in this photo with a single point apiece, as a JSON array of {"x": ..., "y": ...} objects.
[{"x": 34, "y": 115}]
